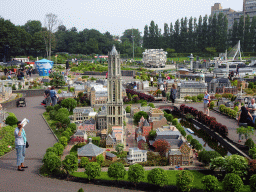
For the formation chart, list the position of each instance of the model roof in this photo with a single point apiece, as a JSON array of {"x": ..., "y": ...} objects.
[{"x": 90, "y": 150}]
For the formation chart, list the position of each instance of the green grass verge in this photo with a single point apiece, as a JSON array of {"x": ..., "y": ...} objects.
[
  {"x": 172, "y": 178},
  {"x": 51, "y": 124}
]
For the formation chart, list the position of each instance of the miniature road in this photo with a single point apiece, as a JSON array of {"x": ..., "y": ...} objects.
[{"x": 40, "y": 138}]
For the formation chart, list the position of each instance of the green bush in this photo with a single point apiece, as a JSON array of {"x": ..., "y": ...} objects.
[
  {"x": 49, "y": 108},
  {"x": 175, "y": 121},
  {"x": 59, "y": 148},
  {"x": 249, "y": 142},
  {"x": 52, "y": 162},
  {"x": 66, "y": 134},
  {"x": 84, "y": 161},
  {"x": 69, "y": 103},
  {"x": 200, "y": 97},
  {"x": 85, "y": 76},
  {"x": 116, "y": 171},
  {"x": 151, "y": 105},
  {"x": 210, "y": 183},
  {"x": 236, "y": 108},
  {"x": 56, "y": 107},
  {"x": 158, "y": 177},
  {"x": 184, "y": 180},
  {"x": 212, "y": 103},
  {"x": 100, "y": 159},
  {"x": 65, "y": 121},
  {"x": 253, "y": 182},
  {"x": 72, "y": 126},
  {"x": 64, "y": 141},
  {"x": 232, "y": 183},
  {"x": 11, "y": 120},
  {"x": 206, "y": 156},
  {"x": 52, "y": 114},
  {"x": 136, "y": 173},
  {"x": 59, "y": 116},
  {"x": 189, "y": 138},
  {"x": 70, "y": 163},
  {"x": 169, "y": 117},
  {"x": 128, "y": 109},
  {"x": 7, "y": 139},
  {"x": 194, "y": 98},
  {"x": 52, "y": 149},
  {"x": 92, "y": 170}
]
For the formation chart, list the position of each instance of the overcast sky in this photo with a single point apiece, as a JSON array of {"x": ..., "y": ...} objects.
[{"x": 110, "y": 15}]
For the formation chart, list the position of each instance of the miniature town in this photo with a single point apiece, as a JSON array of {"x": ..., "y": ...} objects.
[{"x": 166, "y": 121}]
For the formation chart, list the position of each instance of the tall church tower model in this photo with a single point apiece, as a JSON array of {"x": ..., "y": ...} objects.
[{"x": 115, "y": 101}]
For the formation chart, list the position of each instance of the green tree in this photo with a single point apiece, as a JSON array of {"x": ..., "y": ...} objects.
[
  {"x": 49, "y": 108},
  {"x": 138, "y": 115},
  {"x": 200, "y": 97},
  {"x": 63, "y": 110},
  {"x": 81, "y": 190},
  {"x": 72, "y": 126},
  {"x": 128, "y": 35},
  {"x": 51, "y": 149},
  {"x": 128, "y": 109},
  {"x": 63, "y": 141},
  {"x": 119, "y": 148},
  {"x": 189, "y": 138},
  {"x": 100, "y": 159},
  {"x": 175, "y": 121},
  {"x": 169, "y": 117},
  {"x": 92, "y": 170},
  {"x": 146, "y": 37},
  {"x": 206, "y": 156},
  {"x": 84, "y": 161},
  {"x": 249, "y": 142},
  {"x": 232, "y": 183},
  {"x": 116, "y": 171},
  {"x": 151, "y": 105},
  {"x": 69, "y": 103},
  {"x": 210, "y": 183},
  {"x": 11, "y": 120},
  {"x": 252, "y": 152},
  {"x": 152, "y": 134},
  {"x": 59, "y": 148},
  {"x": 184, "y": 180},
  {"x": 136, "y": 173},
  {"x": 253, "y": 182},
  {"x": 70, "y": 163},
  {"x": 57, "y": 79},
  {"x": 158, "y": 177},
  {"x": 51, "y": 161}
]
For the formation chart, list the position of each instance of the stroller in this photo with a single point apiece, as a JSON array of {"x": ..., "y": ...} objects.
[
  {"x": 21, "y": 102},
  {"x": 43, "y": 102}
]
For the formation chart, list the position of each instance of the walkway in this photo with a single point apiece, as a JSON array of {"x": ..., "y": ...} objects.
[
  {"x": 230, "y": 123},
  {"x": 39, "y": 138}
]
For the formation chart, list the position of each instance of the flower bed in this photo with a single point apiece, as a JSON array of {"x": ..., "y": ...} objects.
[
  {"x": 207, "y": 120},
  {"x": 143, "y": 96},
  {"x": 227, "y": 111}
]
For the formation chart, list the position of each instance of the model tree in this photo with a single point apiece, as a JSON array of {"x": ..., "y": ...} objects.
[
  {"x": 84, "y": 161},
  {"x": 92, "y": 170},
  {"x": 119, "y": 148},
  {"x": 158, "y": 177},
  {"x": 100, "y": 159},
  {"x": 57, "y": 80},
  {"x": 210, "y": 183},
  {"x": 69, "y": 103},
  {"x": 206, "y": 156},
  {"x": 138, "y": 115},
  {"x": 232, "y": 182},
  {"x": 161, "y": 146},
  {"x": 136, "y": 173},
  {"x": 51, "y": 161},
  {"x": 117, "y": 171},
  {"x": 59, "y": 148},
  {"x": 184, "y": 180},
  {"x": 70, "y": 163}
]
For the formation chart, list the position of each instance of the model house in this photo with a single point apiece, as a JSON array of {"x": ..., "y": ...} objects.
[
  {"x": 136, "y": 155},
  {"x": 115, "y": 137}
]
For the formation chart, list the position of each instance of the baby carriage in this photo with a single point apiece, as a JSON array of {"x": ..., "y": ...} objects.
[{"x": 21, "y": 102}]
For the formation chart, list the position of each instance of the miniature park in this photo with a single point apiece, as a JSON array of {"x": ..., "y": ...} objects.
[
  {"x": 142, "y": 124},
  {"x": 106, "y": 126}
]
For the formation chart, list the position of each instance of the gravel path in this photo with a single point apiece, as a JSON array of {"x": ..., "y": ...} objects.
[{"x": 40, "y": 138}]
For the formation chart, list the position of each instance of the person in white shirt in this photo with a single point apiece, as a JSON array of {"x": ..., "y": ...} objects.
[{"x": 151, "y": 81}]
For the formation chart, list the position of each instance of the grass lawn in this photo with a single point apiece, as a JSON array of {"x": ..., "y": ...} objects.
[
  {"x": 172, "y": 178},
  {"x": 51, "y": 123}
]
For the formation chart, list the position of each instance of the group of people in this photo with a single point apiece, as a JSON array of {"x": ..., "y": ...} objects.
[
  {"x": 18, "y": 72},
  {"x": 247, "y": 115},
  {"x": 50, "y": 96}
]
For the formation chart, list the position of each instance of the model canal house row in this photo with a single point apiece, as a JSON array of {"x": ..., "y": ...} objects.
[{"x": 115, "y": 111}]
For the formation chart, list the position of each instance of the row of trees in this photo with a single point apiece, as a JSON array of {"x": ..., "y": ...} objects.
[
  {"x": 208, "y": 34},
  {"x": 36, "y": 39}
]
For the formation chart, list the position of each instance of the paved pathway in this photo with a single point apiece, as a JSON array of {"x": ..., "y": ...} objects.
[
  {"x": 40, "y": 138},
  {"x": 230, "y": 123}
]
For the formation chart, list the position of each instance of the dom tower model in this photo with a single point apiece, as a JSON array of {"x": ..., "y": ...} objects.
[{"x": 115, "y": 102}]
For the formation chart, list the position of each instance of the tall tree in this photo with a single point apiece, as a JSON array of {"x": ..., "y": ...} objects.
[
  {"x": 128, "y": 33},
  {"x": 247, "y": 37},
  {"x": 253, "y": 34},
  {"x": 171, "y": 43},
  {"x": 204, "y": 32},
  {"x": 51, "y": 24},
  {"x": 166, "y": 36},
  {"x": 241, "y": 32},
  {"x": 195, "y": 39},
  {"x": 145, "y": 37},
  {"x": 190, "y": 35},
  {"x": 176, "y": 36},
  {"x": 234, "y": 36},
  {"x": 33, "y": 26},
  {"x": 152, "y": 35}
]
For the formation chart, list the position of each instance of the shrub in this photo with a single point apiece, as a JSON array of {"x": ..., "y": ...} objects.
[
  {"x": 136, "y": 173},
  {"x": 52, "y": 114},
  {"x": 138, "y": 115},
  {"x": 169, "y": 117},
  {"x": 70, "y": 163},
  {"x": 60, "y": 116},
  {"x": 212, "y": 103},
  {"x": 210, "y": 183},
  {"x": 189, "y": 138},
  {"x": 117, "y": 171},
  {"x": 66, "y": 134},
  {"x": 63, "y": 111},
  {"x": 84, "y": 161},
  {"x": 249, "y": 142},
  {"x": 59, "y": 148},
  {"x": 51, "y": 161},
  {"x": 158, "y": 177},
  {"x": 194, "y": 98},
  {"x": 236, "y": 108},
  {"x": 194, "y": 142},
  {"x": 72, "y": 126},
  {"x": 69, "y": 103},
  {"x": 65, "y": 121},
  {"x": 92, "y": 170},
  {"x": 175, "y": 121},
  {"x": 64, "y": 141},
  {"x": 11, "y": 120},
  {"x": 206, "y": 156},
  {"x": 151, "y": 105},
  {"x": 253, "y": 182},
  {"x": 232, "y": 183},
  {"x": 200, "y": 97},
  {"x": 56, "y": 107},
  {"x": 49, "y": 108},
  {"x": 51, "y": 149},
  {"x": 128, "y": 109},
  {"x": 184, "y": 180},
  {"x": 100, "y": 159}
]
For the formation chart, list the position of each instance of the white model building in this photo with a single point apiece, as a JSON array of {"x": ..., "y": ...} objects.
[
  {"x": 136, "y": 155},
  {"x": 154, "y": 58}
]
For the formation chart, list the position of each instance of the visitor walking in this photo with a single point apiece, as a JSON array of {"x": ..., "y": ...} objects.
[
  {"x": 53, "y": 95},
  {"x": 47, "y": 96},
  {"x": 151, "y": 81},
  {"x": 253, "y": 110},
  {"x": 20, "y": 145},
  {"x": 164, "y": 92},
  {"x": 173, "y": 93},
  {"x": 206, "y": 103}
]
